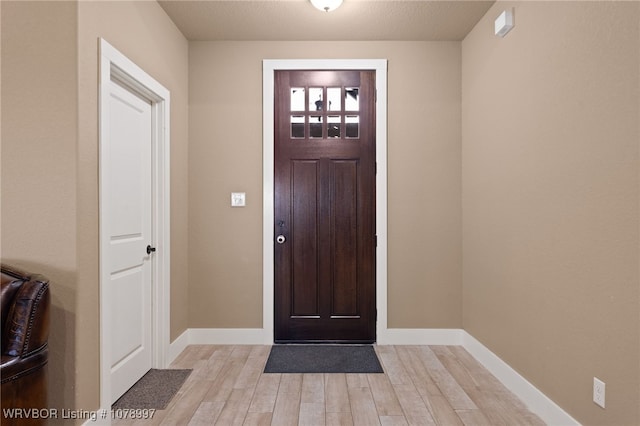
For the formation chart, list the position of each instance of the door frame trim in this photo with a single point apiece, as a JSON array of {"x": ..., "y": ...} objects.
[
  {"x": 115, "y": 66},
  {"x": 269, "y": 66}
]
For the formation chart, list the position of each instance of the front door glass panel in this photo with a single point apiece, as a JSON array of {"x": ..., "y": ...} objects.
[
  {"x": 315, "y": 99},
  {"x": 324, "y": 112},
  {"x": 334, "y": 98},
  {"x": 297, "y": 99}
]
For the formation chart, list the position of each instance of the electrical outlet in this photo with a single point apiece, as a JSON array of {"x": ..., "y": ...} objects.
[{"x": 598, "y": 391}]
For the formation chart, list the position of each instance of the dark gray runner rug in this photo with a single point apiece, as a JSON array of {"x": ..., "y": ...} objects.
[
  {"x": 154, "y": 390},
  {"x": 323, "y": 359}
]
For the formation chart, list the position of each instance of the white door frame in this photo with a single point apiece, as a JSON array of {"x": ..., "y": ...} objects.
[
  {"x": 115, "y": 66},
  {"x": 269, "y": 66}
]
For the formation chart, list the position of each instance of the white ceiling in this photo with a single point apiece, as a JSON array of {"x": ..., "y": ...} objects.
[{"x": 298, "y": 20}]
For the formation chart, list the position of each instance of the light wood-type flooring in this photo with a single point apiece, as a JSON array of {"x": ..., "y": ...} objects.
[{"x": 422, "y": 385}]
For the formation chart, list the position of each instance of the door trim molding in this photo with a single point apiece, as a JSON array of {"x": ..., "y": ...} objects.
[
  {"x": 115, "y": 66},
  {"x": 269, "y": 66}
]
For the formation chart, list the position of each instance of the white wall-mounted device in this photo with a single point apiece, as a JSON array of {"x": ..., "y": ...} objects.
[
  {"x": 504, "y": 23},
  {"x": 238, "y": 199}
]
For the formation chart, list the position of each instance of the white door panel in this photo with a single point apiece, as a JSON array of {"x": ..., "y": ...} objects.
[
  {"x": 130, "y": 231},
  {"x": 131, "y": 162},
  {"x": 126, "y": 289},
  {"x": 135, "y": 112},
  {"x": 122, "y": 253}
]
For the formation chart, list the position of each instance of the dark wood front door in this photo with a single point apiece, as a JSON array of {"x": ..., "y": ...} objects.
[{"x": 325, "y": 206}]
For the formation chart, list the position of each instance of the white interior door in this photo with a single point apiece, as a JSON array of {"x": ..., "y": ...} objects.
[{"x": 129, "y": 219}]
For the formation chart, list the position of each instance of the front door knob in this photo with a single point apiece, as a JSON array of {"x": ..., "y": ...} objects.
[{"x": 150, "y": 249}]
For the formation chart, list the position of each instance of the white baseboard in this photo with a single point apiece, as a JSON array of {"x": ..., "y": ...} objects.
[
  {"x": 176, "y": 347},
  {"x": 216, "y": 336},
  {"x": 227, "y": 336},
  {"x": 420, "y": 336},
  {"x": 533, "y": 398},
  {"x": 258, "y": 336}
]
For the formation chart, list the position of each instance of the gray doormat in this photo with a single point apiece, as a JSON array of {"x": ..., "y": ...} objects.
[
  {"x": 323, "y": 359},
  {"x": 154, "y": 390}
]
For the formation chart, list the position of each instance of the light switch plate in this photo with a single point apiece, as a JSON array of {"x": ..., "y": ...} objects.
[{"x": 238, "y": 199}]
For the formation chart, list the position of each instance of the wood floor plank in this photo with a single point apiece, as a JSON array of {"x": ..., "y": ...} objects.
[
  {"x": 392, "y": 365},
  {"x": 312, "y": 388},
  {"x": 449, "y": 387},
  {"x": 182, "y": 359},
  {"x": 421, "y": 386},
  {"x": 393, "y": 421},
  {"x": 384, "y": 395},
  {"x": 260, "y": 351},
  {"x": 336, "y": 395},
  {"x": 205, "y": 351},
  {"x": 442, "y": 411},
  {"x": 311, "y": 414},
  {"x": 287, "y": 408},
  {"x": 188, "y": 403},
  {"x": 475, "y": 369},
  {"x": 418, "y": 371},
  {"x": 497, "y": 403},
  {"x": 357, "y": 380},
  {"x": 206, "y": 413},
  {"x": 415, "y": 410},
  {"x": 235, "y": 408},
  {"x": 363, "y": 409},
  {"x": 473, "y": 417},
  {"x": 422, "y": 381},
  {"x": 339, "y": 419},
  {"x": 222, "y": 352},
  {"x": 291, "y": 384},
  {"x": 250, "y": 373},
  {"x": 226, "y": 379},
  {"x": 312, "y": 401},
  {"x": 456, "y": 369},
  {"x": 264, "y": 397},
  {"x": 257, "y": 419},
  {"x": 210, "y": 368},
  {"x": 286, "y": 411}
]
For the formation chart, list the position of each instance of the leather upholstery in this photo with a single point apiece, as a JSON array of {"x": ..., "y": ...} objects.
[{"x": 25, "y": 303}]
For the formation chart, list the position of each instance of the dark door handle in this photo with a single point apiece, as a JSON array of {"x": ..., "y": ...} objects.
[{"x": 150, "y": 249}]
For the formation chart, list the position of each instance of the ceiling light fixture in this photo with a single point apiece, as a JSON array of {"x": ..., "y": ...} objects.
[{"x": 326, "y": 5}]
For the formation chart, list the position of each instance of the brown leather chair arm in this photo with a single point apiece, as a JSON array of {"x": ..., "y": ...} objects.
[
  {"x": 15, "y": 367},
  {"x": 27, "y": 328},
  {"x": 25, "y": 301}
]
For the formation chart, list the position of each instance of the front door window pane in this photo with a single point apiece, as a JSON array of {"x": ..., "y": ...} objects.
[
  {"x": 333, "y": 126},
  {"x": 297, "y": 99},
  {"x": 334, "y": 98},
  {"x": 316, "y": 102},
  {"x": 315, "y": 126},
  {"x": 351, "y": 99},
  {"x": 353, "y": 126},
  {"x": 297, "y": 126}
]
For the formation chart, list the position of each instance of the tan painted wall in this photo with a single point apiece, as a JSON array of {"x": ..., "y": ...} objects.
[
  {"x": 549, "y": 174},
  {"x": 225, "y": 131},
  {"x": 550, "y": 200},
  {"x": 50, "y": 163},
  {"x": 141, "y": 31},
  {"x": 39, "y": 125}
]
